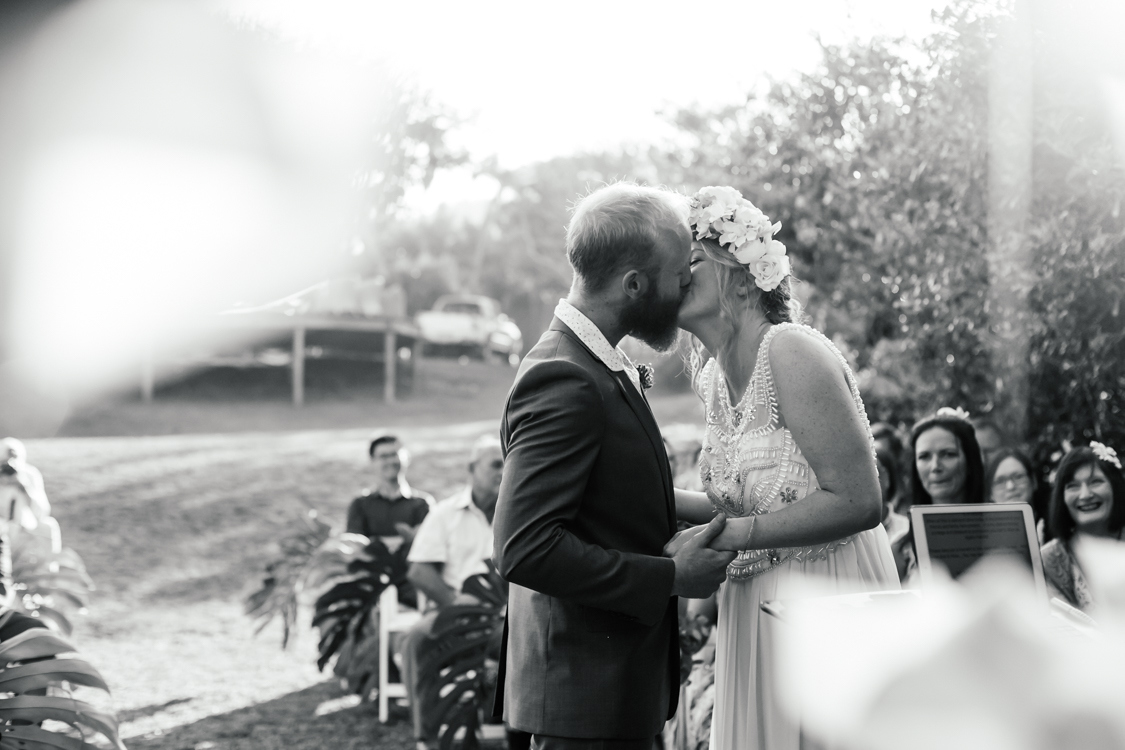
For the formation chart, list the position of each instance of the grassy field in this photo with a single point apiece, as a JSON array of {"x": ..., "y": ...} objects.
[{"x": 176, "y": 506}]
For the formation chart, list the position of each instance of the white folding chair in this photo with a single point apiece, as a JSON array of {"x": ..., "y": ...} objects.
[{"x": 392, "y": 620}]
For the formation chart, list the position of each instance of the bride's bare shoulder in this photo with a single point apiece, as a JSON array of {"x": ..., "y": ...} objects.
[{"x": 796, "y": 350}]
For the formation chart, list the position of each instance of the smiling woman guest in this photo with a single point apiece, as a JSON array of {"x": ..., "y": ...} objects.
[{"x": 1088, "y": 498}]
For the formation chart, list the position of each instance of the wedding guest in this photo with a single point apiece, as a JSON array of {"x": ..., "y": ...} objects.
[
  {"x": 888, "y": 444},
  {"x": 896, "y": 524},
  {"x": 23, "y": 497},
  {"x": 990, "y": 438},
  {"x": 1088, "y": 498},
  {"x": 887, "y": 440},
  {"x": 392, "y": 508},
  {"x": 946, "y": 470},
  {"x": 453, "y": 543},
  {"x": 1010, "y": 478},
  {"x": 947, "y": 464}
]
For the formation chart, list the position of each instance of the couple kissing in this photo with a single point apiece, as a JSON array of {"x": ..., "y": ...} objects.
[{"x": 586, "y": 521}]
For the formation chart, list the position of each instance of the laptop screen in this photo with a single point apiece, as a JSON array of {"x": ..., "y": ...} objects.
[
  {"x": 958, "y": 540},
  {"x": 958, "y": 536}
]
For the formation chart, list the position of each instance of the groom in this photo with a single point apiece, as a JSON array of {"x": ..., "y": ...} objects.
[{"x": 586, "y": 504}]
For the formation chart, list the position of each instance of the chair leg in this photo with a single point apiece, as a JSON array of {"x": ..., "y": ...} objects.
[{"x": 384, "y": 671}]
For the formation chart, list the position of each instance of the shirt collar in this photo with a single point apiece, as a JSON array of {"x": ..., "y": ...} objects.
[
  {"x": 463, "y": 500},
  {"x": 590, "y": 335}
]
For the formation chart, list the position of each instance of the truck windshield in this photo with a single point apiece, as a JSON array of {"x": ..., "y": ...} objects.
[{"x": 468, "y": 308}]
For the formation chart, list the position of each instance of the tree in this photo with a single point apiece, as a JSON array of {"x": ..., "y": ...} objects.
[
  {"x": 877, "y": 165},
  {"x": 516, "y": 251}
]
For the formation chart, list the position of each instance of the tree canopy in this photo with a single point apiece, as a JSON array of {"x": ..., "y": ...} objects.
[{"x": 877, "y": 164}]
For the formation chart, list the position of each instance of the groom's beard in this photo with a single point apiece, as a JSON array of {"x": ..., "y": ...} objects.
[{"x": 652, "y": 319}]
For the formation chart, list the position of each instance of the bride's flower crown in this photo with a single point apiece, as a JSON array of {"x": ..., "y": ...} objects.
[{"x": 746, "y": 233}]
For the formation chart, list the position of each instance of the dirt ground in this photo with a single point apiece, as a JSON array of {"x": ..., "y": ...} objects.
[{"x": 176, "y": 507}]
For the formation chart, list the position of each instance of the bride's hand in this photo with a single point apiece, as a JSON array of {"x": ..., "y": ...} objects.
[{"x": 681, "y": 538}]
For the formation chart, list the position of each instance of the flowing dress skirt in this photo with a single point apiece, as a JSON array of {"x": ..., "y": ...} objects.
[{"x": 748, "y": 714}]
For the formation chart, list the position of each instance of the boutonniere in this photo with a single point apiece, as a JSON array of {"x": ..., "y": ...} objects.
[{"x": 648, "y": 376}]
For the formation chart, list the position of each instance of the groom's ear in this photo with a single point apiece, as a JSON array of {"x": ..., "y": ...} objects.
[{"x": 634, "y": 284}]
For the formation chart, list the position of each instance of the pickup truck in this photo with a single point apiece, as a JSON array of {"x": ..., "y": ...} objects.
[{"x": 470, "y": 324}]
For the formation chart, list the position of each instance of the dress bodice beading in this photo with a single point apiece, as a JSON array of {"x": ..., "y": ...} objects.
[{"x": 750, "y": 464}]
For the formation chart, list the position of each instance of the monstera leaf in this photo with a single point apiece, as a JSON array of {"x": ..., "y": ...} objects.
[
  {"x": 457, "y": 664},
  {"x": 285, "y": 577},
  {"x": 48, "y": 584},
  {"x": 36, "y": 683},
  {"x": 355, "y": 577}
]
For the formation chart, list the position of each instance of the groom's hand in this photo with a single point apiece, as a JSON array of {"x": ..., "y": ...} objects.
[
  {"x": 699, "y": 569},
  {"x": 676, "y": 543}
]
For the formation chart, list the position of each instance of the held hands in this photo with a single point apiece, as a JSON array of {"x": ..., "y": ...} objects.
[
  {"x": 699, "y": 569},
  {"x": 676, "y": 543}
]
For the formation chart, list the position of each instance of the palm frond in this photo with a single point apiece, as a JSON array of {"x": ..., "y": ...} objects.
[
  {"x": 353, "y": 581},
  {"x": 33, "y": 679},
  {"x": 285, "y": 577},
  {"x": 457, "y": 663},
  {"x": 49, "y": 584}
]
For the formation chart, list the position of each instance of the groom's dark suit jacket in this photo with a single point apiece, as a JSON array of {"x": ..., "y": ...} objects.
[{"x": 585, "y": 508}]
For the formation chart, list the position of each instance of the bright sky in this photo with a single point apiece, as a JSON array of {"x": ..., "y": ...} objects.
[{"x": 539, "y": 80}]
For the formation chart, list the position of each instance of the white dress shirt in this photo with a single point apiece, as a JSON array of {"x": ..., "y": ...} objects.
[
  {"x": 592, "y": 336},
  {"x": 457, "y": 534}
]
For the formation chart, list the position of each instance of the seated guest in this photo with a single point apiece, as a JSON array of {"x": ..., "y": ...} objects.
[
  {"x": 990, "y": 438},
  {"x": 391, "y": 508},
  {"x": 452, "y": 544},
  {"x": 1088, "y": 497},
  {"x": 1010, "y": 478},
  {"x": 888, "y": 444},
  {"x": 947, "y": 466},
  {"x": 946, "y": 469},
  {"x": 23, "y": 497},
  {"x": 896, "y": 525}
]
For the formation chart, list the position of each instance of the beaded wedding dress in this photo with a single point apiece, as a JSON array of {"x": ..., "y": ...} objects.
[{"x": 750, "y": 464}]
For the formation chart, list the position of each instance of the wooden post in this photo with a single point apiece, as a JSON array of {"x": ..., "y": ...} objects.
[
  {"x": 298, "y": 366},
  {"x": 416, "y": 366},
  {"x": 389, "y": 369},
  {"x": 148, "y": 374}
]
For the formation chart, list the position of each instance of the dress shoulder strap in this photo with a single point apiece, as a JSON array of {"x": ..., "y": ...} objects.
[
  {"x": 705, "y": 381},
  {"x": 763, "y": 370}
]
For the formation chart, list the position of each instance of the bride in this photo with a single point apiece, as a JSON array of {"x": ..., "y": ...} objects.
[{"x": 787, "y": 455}]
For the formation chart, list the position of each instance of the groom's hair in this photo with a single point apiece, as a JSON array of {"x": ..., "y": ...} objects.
[{"x": 616, "y": 227}]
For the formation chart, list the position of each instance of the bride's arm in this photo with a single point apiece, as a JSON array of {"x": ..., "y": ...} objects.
[
  {"x": 817, "y": 407},
  {"x": 693, "y": 507}
]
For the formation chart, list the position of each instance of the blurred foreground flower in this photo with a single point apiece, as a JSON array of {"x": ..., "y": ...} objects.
[{"x": 982, "y": 663}]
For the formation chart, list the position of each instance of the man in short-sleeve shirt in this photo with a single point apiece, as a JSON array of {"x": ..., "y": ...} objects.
[
  {"x": 452, "y": 544},
  {"x": 392, "y": 507}
]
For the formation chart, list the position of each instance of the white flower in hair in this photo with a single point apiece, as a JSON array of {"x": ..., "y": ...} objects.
[
  {"x": 956, "y": 413},
  {"x": 722, "y": 213},
  {"x": 1105, "y": 453}
]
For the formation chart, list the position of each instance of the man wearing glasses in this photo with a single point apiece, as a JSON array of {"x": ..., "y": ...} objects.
[{"x": 392, "y": 508}]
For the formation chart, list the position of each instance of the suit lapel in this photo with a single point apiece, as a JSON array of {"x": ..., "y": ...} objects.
[{"x": 639, "y": 404}]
